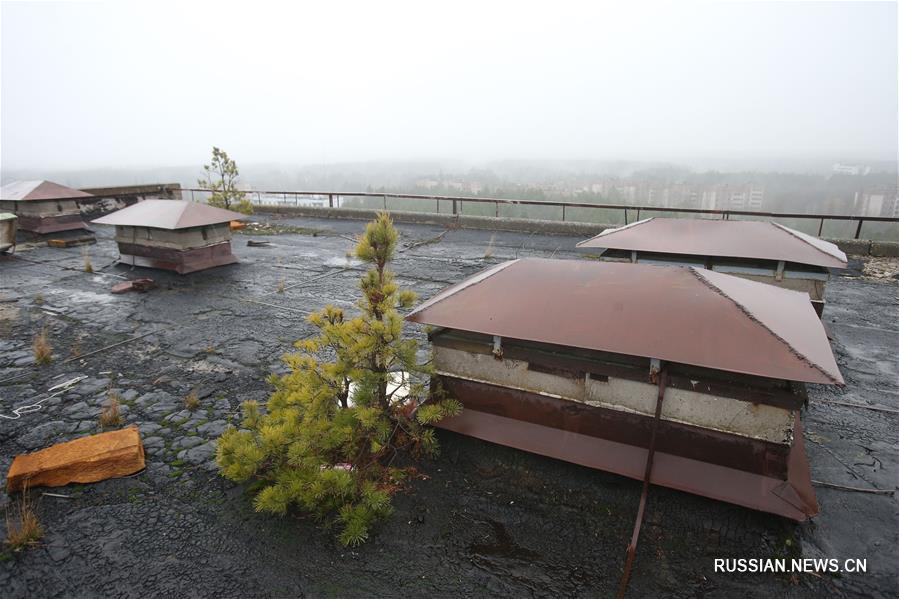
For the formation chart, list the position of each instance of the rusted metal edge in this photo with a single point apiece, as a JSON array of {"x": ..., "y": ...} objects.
[
  {"x": 704, "y": 280},
  {"x": 792, "y": 498},
  {"x": 51, "y": 224},
  {"x": 767, "y": 458},
  {"x": 181, "y": 261},
  {"x": 615, "y": 230},
  {"x": 635, "y": 535}
]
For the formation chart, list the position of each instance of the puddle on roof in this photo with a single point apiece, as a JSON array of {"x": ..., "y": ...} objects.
[
  {"x": 89, "y": 297},
  {"x": 503, "y": 546},
  {"x": 342, "y": 261}
]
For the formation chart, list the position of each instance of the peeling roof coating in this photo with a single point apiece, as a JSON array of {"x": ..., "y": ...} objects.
[
  {"x": 724, "y": 238},
  {"x": 169, "y": 214},
  {"x": 19, "y": 191},
  {"x": 684, "y": 315}
]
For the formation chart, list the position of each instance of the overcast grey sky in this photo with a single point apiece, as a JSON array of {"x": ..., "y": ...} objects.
[{"x": 87, "y": 84}]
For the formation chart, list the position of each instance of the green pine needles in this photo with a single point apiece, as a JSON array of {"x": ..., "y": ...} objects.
[{"x": 351, "y": 403}]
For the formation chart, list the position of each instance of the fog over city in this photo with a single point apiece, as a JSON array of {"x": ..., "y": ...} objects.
[{"x": 143, "y": 85}]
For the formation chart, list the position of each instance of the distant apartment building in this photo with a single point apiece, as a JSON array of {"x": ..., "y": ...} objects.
[
  {"x": 709, "y": 199},
  {"x": 756, "y": 199},
  {"x": 850, "y": 169},
  {"x": 877, "y": 202},
  {"x": 741, "y": 198}
]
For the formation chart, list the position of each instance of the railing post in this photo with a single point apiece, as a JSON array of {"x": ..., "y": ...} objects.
[
  {"x": 496, "y": 209},
  {"x": 385, "y": 202},
  {"x": 454, "y": 208},
  {"x": 330, "y": 200},
  {"x": 820, "y": 227},
  {"x": 192, "y": 196},
  {"x": 858, "y": 229},
  {"x": 638, "y": 214},
  {"x": 625, "y": 216},
  {"x": 563, "y": 213}
]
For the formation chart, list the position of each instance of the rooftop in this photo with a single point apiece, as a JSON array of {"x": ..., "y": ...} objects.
[
  {"x": 722, "y": 238},
  {"x": 487, "y": 520},
  {"x": 674, "y": 314},
  {"x": 169, "y": 214},
  {"x": 39, "y": 190}
]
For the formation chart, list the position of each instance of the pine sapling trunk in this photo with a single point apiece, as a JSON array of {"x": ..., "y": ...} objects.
[{"x": 377, "y": 366}]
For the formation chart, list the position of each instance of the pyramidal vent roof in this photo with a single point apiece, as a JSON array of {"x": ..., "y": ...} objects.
[
  {"x": 39, "y": 190},
  {"x": 724, "y": 238},
  {"x": 686, "y": 315},
  {"x": 169, "y": 214}
]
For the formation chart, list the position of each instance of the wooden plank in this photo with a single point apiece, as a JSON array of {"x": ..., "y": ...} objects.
[{"x": 85, "y": 460}]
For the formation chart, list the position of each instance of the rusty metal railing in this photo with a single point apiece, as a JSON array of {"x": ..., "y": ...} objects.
[{"x": 334, "y": 199}]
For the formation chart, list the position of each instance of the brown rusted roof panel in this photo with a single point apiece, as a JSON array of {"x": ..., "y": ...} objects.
[
  {"x": 20, "y": 191},
  {"x": 721, "y": 238},
  {"x": 169, "y": 214},
  {"x": 792, "y": 498},
  {"x": 683, "y": 315}
]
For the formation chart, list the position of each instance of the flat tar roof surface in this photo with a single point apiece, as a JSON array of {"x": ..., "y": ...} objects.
[{"x": 483, "y": 520}]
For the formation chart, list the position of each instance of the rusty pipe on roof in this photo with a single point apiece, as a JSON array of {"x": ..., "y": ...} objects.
[{"x": 662, "y": 376}]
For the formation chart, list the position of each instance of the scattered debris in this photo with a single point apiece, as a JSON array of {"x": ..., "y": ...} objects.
[
  {"x": 881, "y": 268},
  {"x": 236, "y": 225},
  {"x": 56, "y": 495},
  {"x": 256, "y": 228},
  {"x": 420, "y": 242},
  {"x": 854, "y": 489},
  {"x": 85, "y": 460},
  {"x": 102, "y": 349},
  {"x": 259, "y": 244},
  {"x": 861, "y": 406},
  {"x": 71, "y": 241},
  {"x": 141, "y": 285},
  {"x": 54, "y": 391}
]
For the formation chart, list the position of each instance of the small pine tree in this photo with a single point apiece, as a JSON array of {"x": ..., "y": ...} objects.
[
  {"x": 335, "y": 422},
  {"x": 221, "y": 180}
]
